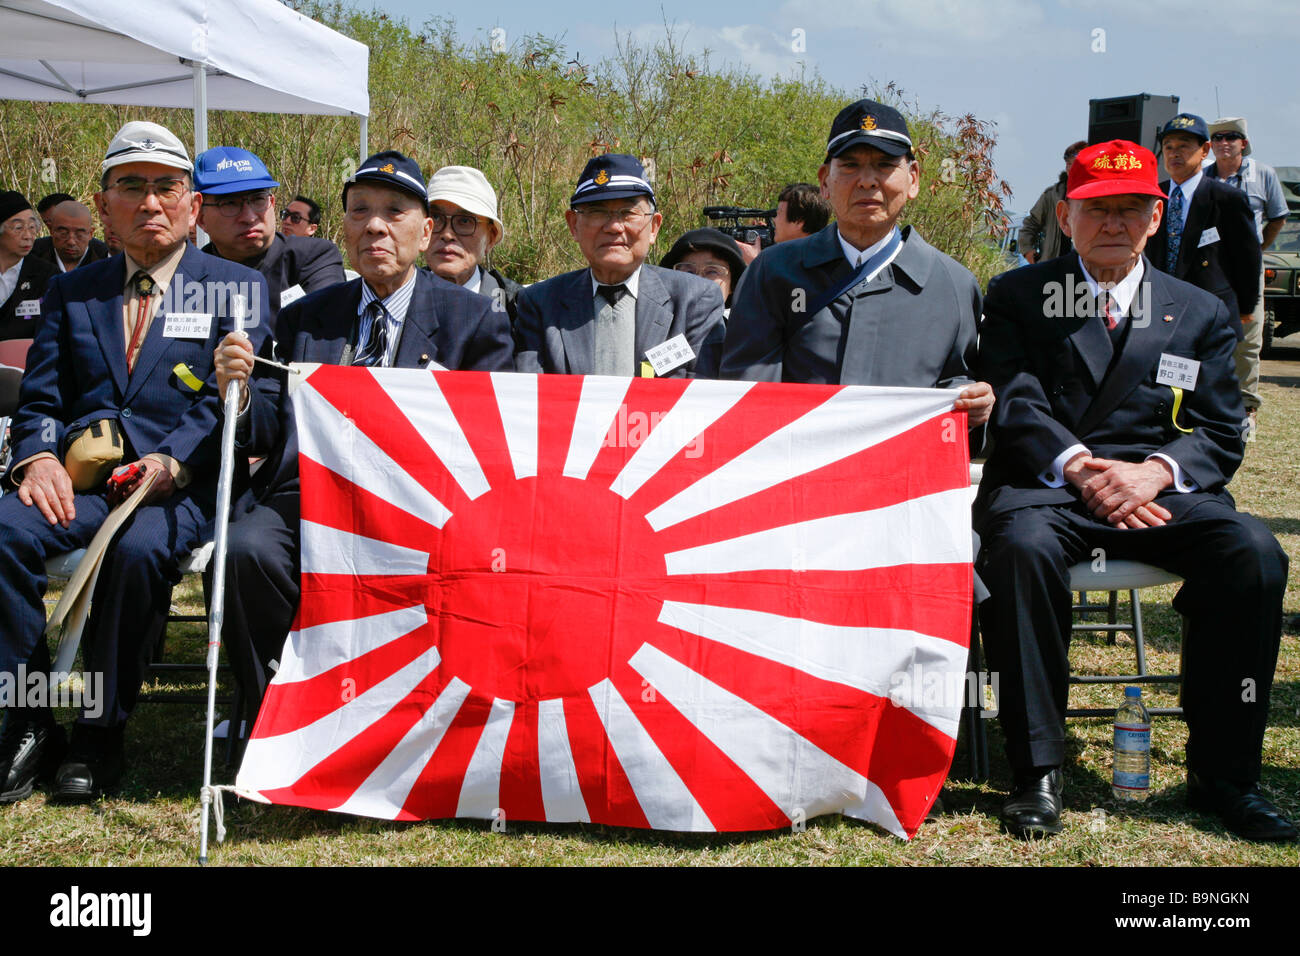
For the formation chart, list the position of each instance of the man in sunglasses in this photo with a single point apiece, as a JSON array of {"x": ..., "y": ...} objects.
[
  {"x": 1234, "y": 166},
  {"x": 121, "y": 371},
  {"x": 238, "y": 214},
  {"x": 611, "y": 318},
  {"x": 301, "y": 217}
]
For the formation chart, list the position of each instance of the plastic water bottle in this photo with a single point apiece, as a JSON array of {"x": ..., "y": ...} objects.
[{"x": 1132, "y": 778}]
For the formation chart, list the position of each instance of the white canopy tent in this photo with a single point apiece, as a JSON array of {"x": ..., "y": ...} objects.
[{"x": 254, "y": 55}]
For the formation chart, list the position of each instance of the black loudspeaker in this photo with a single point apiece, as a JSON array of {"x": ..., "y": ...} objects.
[{"x": 1136, "y": 118}]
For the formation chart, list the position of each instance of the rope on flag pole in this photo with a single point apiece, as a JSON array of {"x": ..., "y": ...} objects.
[{"x": 216, "y": 605}]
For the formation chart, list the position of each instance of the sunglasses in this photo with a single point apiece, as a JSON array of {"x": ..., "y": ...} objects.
[
  {"x": 1226, "y": 137},
  {"x": 288, "y": 215}
]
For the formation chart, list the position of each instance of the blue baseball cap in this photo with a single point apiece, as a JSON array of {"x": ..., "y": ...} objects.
[
  {"x": 612, "y": 176},
  {"x": 1188, "y": 123},
  {"x": 229, "y": 169}
]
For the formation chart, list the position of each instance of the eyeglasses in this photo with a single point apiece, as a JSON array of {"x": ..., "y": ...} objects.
[
  {"x": 31, "y": 226},
  {"x": 627, "y": 216},
  {"x": 135, "y": 188},
  {"x": 708, "y": 272},
  {"x": 462, "y": 223},
  {"x": 289, "y": 215},
  {"x": 1226, "y": 137},
  {"x": 232, "y": 207},
  {"x": 63, "y": 232}
]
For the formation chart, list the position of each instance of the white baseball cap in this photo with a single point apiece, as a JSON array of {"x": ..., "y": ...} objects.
[
  {"x": 469, "y": 189},
  {"x": 142, "y": 142}
]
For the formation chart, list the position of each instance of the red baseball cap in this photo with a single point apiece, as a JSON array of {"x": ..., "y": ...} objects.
[{"x": 1113, "y": 169}]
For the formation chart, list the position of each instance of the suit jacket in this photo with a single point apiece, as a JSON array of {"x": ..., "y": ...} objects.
[
  {"x": 444, "y": 323},
  {"x": 913, "y": 325},
  {"x": 33, "y": 278},
  {"x": 44, "y": 249},
  {"x": 1227, "y": 266},
  {"x": 76, "y": 369},
  {"x": 295, "y": 260},
  {"x": 1058, "y": 382},
  {"x": 556, "y": 324}
]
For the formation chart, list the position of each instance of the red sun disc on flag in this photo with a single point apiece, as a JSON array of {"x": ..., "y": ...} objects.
[{"x": 686, "y": 605}]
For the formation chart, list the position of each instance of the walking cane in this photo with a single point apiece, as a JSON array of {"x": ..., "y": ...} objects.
[{"x": 216, "y": 609}]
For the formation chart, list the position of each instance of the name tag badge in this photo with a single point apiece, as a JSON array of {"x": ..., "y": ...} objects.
[
  {"x": 187, "y": 325},
  {"x": 291, "y": 294},
  {"x": 28, "y": 308},
  {"x": 1178, "y": 372},
  {"x": 672, "y": 354},
  {"x": 1208, "y": 236}
]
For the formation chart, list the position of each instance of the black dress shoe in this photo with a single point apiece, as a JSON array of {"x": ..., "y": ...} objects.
[
  {"x": 92, "y": 767},
  {"x": 1245, "y": 811},
  {"x": 29, "y": 751},
  {"x": 1034, "y": 807}
]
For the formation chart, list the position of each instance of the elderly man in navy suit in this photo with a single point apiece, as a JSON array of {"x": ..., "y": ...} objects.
[
  {"x": 114, "y": 356},
  {"x": 619, "y": 316},
  {"x": 1118, "y": 427},
  {"x": 393, "y": 315}
]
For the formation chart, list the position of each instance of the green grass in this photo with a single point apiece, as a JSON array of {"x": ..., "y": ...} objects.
[{"x": 154, "y": 820}]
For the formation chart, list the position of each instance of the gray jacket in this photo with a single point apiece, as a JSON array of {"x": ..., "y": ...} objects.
[
  {"x": 913, "y": 325},
  {"x": 555, "y": 329}
]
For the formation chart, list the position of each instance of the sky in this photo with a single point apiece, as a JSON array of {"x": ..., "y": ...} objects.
[{"x": 1029, "y": 66}]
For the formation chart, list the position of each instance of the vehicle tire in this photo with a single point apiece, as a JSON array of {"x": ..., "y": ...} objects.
[{"x": 1267, "y": 348}]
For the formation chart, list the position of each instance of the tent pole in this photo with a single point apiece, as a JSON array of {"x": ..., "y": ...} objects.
[
  {"x": 200, "y": 127},
  {"x": 365, "y": 136}
]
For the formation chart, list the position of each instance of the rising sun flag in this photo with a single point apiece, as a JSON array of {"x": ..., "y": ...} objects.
[{"x": 683, "y": 605}]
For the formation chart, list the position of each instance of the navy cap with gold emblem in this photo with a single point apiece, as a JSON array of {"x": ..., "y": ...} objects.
[
  {"x": 612, "y": 176},
  {"x": 393, "y": 169},
  {"x": 868, "y": 123},
  {"x": 1188, "y": 123}
]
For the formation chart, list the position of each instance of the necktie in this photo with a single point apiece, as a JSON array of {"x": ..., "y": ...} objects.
[
  {"x": 1175, "y": 227},
  {"x": 1105, "y": 311},
  {"x": 144, "y": 287},
  {"x": 375, "y": 346},
  {"x": 615, "y": 339}
]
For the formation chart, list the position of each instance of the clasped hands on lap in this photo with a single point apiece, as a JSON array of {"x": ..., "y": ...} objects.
[{"x": 1120, "y": 492}]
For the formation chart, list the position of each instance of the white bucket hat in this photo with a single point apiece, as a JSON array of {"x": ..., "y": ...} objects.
[
  {"x": 469, "y": 189},
  {"x": 1236, "y": 124}
]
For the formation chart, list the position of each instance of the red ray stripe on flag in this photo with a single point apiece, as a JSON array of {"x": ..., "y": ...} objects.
[
  {"x": 338, "y": 503},
  {"x": 903, "y": 742},
  {"x": 727, "y": 795},
  {"x": 919, "y": 597},
  {"x": 759, "y": 413},
  {"x": 293, "y": 705},
  {"x": 605, "y": 788},
  {"x": 644, "y": 406},
  {"x": 355, "y": 393},
  {"x": 557, "y": 408},
  {"x": 332, "y": 781},
  {"x": 875, "y": 477},
  {"x": 521, "y": 781},
  {"x": 473, "y": 402},
  {"x": 436, "y": 793},
  {"x": 343, "y": 597},
  {"x": 841, "y": 720}
]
